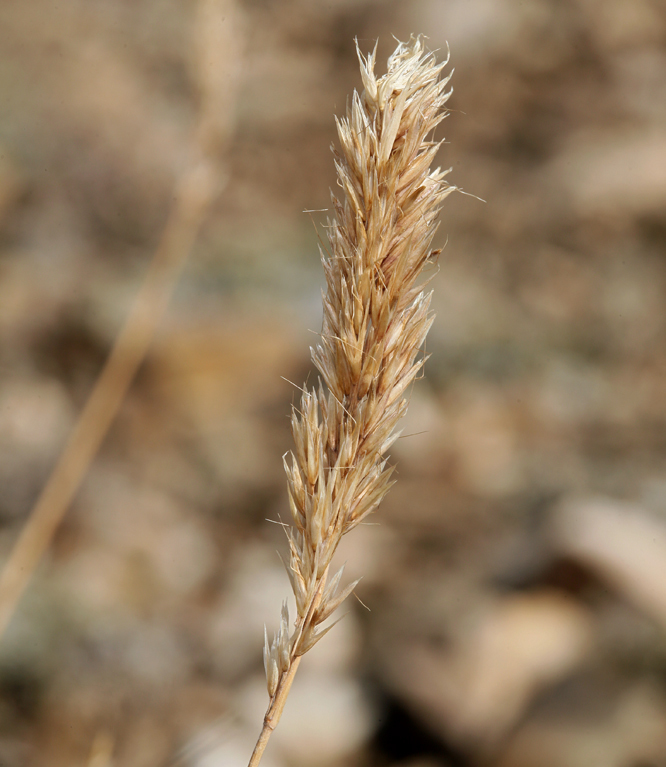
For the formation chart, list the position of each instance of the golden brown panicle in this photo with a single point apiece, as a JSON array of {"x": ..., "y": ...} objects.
[{"x": 376, "y": 317}]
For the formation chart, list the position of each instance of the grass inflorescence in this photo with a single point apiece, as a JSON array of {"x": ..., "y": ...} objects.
[{"x": 376, "y": 317}]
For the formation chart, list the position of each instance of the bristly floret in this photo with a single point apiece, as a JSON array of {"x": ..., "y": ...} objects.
[{"x": 376, "y": 317}]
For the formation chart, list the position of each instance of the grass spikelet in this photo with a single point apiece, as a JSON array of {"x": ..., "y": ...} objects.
[{"x": 376, "y": 317}]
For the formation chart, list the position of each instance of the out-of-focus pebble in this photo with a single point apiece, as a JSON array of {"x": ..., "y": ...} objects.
[
  {"x": 614, "y": 174},
  {"x": 632, "y": 730},
  {"x": 623, "y": 543},
  {"x": 477, "y": 689}
]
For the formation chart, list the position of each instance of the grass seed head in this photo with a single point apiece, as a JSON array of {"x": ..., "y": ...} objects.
[{"x": 376, "y": 317}]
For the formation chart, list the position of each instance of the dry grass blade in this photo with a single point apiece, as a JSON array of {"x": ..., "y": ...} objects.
[
  {"x": 109, "y": 390},
  {"x": 193, "y": 194},
  {"x": 376, "y": 317}
]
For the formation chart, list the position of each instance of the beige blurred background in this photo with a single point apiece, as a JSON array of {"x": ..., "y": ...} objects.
[{"x": 516, "y": 576}]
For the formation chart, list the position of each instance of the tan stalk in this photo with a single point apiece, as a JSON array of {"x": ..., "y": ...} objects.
[
  {"x": 193, "y": 194},
  {"x": 376, "y": 317}
]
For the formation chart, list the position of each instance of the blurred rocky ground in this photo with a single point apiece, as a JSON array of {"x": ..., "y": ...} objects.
[{"x": 515, "y": 578}]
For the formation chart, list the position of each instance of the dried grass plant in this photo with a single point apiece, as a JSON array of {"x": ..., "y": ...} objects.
[
  {"x": 376, "y": 317},
  {"x": 215, "y": 65}
]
